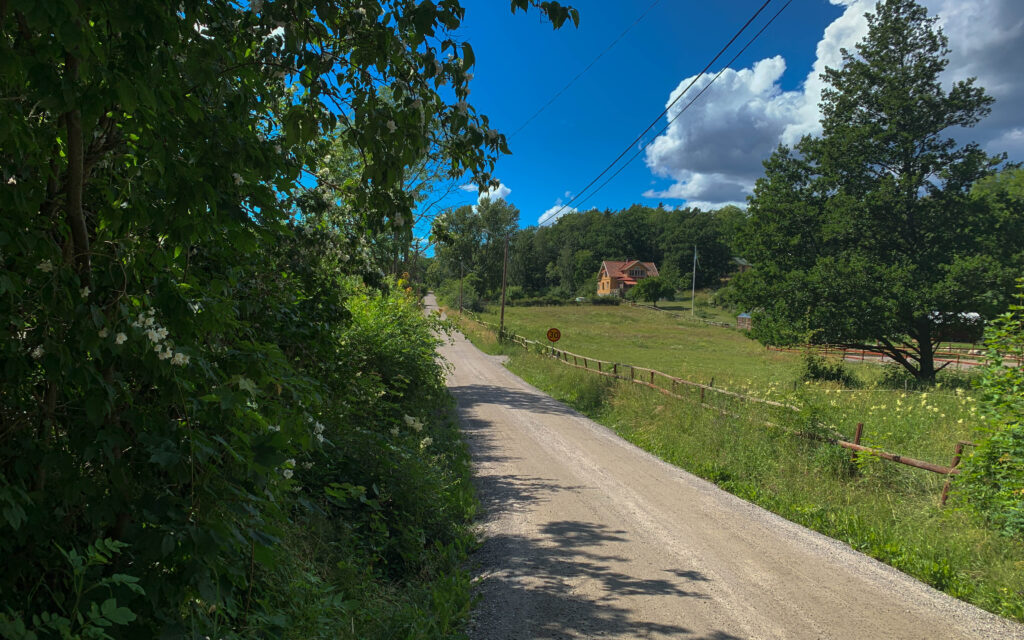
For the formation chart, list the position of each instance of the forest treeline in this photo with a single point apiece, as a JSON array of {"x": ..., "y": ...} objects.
[{"x": 561, "y": 260}]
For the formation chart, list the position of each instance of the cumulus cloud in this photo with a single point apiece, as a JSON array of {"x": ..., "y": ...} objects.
[
  {"x": 549, "y": 216},
  {"x": 713, "y": 153},
  {"x": 494, "y": 193}
]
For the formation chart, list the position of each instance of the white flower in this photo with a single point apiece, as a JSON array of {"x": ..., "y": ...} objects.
[
  {"x": 318, "y": 428},
  {"x": 104, "y": 333},
  {"x": 161, "y": 332},
  {"x": 11, "y": 181},
  {"x": 124, "y": 205},
  {"x": 45, "y": 266},
  {"x": 290, "y": 462},
  {"x": 237, "y": 178},
  {"x": 273, "y": 427},
  {"x": 149, "y": 322},
  {"x": 153, "y": 335},
  {"x": 320, "y": 438},
  {"x": 120, "y": 338},
  {"x": 84, "y": 292},
  {"x": 164, "y": 355},
  {"x": 38, "y": 352},
  {"x": 307, "y": 465},
  {"x": 395, "y": 432},
  {"x": 426, "y": 442},
  {"x": 391, "y": 126},
  {"x": 344, "y": 257},
  {"x": 288, "y": 473},
  {"x": 180, "y": 359}
]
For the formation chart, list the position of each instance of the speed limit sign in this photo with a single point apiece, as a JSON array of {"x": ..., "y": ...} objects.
[{"x": 554, "y": 335}]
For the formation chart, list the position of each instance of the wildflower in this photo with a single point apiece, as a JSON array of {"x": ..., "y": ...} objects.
[
  {"x": 290, "y": 462},
  {"x": 288, "y": 473},
  {"x": 237, "y": 178},
  {"x": 318, "y": 428},
  {"x": 120, "y": 338},
  {"x": 11, "y": 181},
  {"x": 273, "y": 428},
  {"x": 45, "y": 266},
  {"x": 165, "y": 354},
  {"x": 395, "y": 432},
  {"x": 161, "y": 332},
  {"x": 180, "y": 359},
  {"x": 426, "y": 442},
  {"x": 153, "y": 336},
  {"x": 84, "y": 292},
  {"x": 320, "y": 438},
  {"x": 307, "y": 465},
  {"x": 38, "y": 352},
  {"x": 103, "y": 333}
]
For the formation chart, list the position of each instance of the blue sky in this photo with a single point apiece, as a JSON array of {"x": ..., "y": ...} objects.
[{"x": 712, "y": 154}]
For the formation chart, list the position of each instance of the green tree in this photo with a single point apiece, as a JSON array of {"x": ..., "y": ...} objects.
[
  {"x": 652, "y": 290},
  {"x": 868, "y": 233}
]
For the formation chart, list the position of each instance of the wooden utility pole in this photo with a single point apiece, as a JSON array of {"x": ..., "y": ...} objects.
[{"x": 504, "y": 275}]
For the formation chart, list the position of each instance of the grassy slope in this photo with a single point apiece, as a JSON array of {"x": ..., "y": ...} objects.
[
  {"x": 920, "y": 425},
  {"x": 885, "y": 510}
]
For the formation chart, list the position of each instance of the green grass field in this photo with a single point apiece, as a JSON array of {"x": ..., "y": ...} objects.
[
  {"x": 923, "y": 425},
  {"x": 888, "y": 511}
]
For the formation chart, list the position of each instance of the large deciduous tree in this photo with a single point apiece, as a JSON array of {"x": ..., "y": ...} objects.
[{"x": 868, "y": 233}]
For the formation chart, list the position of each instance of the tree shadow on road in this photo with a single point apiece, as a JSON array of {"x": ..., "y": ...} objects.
[
  {"x": 528, "y": 587},
  {"x": 473, "y": 394}
]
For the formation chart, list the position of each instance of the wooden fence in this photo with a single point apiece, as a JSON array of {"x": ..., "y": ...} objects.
[{"x": 701, "y": 392}]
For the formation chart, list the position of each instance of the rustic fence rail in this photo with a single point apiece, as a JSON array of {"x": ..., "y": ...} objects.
[{"x": 648, "y": 376}]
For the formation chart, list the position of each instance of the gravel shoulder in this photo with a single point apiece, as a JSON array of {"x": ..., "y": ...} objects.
[{"x": 587, "y": 536}]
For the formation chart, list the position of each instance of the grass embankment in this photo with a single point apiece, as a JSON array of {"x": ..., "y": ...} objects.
[{"x": 885, "y": 510}]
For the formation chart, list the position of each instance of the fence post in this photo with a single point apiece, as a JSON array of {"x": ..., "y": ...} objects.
[
  {"x": 856, "y": 438},
  {"x": 599, "y": 366},
  {"x": 615, "y": 369},
  {"x": 957, "y": 451},
  {"x": 702, "y": 394},
  {"x": 652, "y": 376},
  {"x": 632, "y": 372}
]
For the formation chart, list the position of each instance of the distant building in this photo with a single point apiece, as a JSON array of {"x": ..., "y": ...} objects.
[
  {"x": 744, "y": 321},
  {"x": 617, "y": 277},
  {"x": 741, "y": 265}
]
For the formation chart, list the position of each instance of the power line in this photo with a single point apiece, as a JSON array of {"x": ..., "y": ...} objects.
[
  {"x": 688, "y": 104},
  {"x": 665, "y": 111},
  {"x": 587, "y": 68}
]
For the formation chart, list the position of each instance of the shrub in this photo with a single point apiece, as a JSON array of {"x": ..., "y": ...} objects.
[
  {"x": 992, "y": 480},
  {"x": 817, "y": 368},
  {"x": 608, "y": 300}
]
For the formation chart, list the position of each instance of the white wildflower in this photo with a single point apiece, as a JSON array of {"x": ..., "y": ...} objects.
[
  {"x": 307, "y": 465},
  {"x": 103, "y": 333},
  {"x": 395, "y": 432},
  {"x": 237, "y": 178},
  {"x": 45, "y": 266},
  {"x": 161, "y": 332},
  {"x": 273, "y": 428},
  {"x": 426, "y": 442},
  {"x": 180, "y": 359},
  {"x": 391, "y": 126},
  {"x": 38, "y": 352},
  {"x": 123, "y": 205},
  {"x": 361, "y": 11},
  {"x": 164, "y": 355},
  {"x": 153, "y": 335},
  {"x": 288, "y": 473},
  {"x": 84, "y": 292},
  {"x": 318, "y": 428},
  {"x": 11, "y": 181},
  {"x": 290, "y": 462},
  {"x": 320, "y": 438},
  {"x": 120, "y": 338}
]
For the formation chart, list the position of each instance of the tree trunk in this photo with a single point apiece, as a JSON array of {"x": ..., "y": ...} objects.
[{"x": 926, "y": 352}]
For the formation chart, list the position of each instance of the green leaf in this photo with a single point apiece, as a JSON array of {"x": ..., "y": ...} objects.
[{"x": 116, "y": 614}]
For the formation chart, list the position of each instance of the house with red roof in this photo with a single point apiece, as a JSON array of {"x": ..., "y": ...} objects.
[{"x": 616, "y": 277}]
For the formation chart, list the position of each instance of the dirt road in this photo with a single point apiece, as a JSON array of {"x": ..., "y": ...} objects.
[{"x": 587, "y": 536}]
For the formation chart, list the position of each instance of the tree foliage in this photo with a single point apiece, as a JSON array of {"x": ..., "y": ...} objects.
[
  {"x": 652, "y": 290},
  {"x": 179, "y": 318},
  {"x": 869, "y": 233}
]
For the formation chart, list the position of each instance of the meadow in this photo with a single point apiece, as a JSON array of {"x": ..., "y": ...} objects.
[{"x": 885, "y": 510}]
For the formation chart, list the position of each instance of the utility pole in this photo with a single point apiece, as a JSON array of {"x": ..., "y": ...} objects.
[
  {"x": 504, "y": 274},
  {"x": 693, "y": 284},
  {"x": 460, "y": 288}
]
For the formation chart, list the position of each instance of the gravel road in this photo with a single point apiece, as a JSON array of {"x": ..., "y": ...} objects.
[{"x": 587, "y": 536}]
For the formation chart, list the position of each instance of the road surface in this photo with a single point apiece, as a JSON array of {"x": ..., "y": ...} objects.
[{"x": 587, "y": 536}]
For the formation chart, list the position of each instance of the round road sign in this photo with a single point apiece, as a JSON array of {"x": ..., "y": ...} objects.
[{"x": 554, "y": 334}]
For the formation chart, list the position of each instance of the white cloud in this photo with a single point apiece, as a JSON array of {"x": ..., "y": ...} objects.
[
  {"x": 713, "y": 153},
  {"x": 549, "y": 217},
  {"x": 494, "y": 193}
]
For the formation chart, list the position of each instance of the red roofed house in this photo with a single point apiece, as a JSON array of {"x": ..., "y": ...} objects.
[{"x": 618, "y": 277}]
